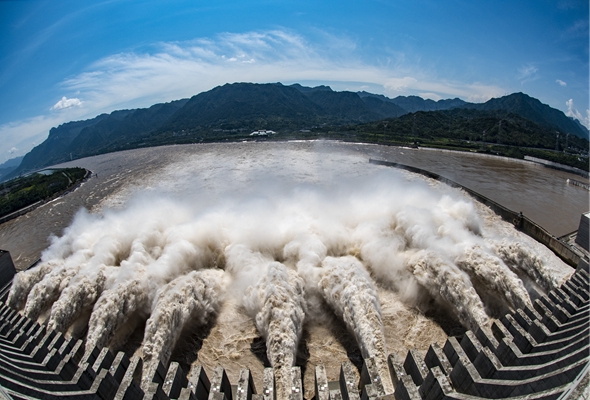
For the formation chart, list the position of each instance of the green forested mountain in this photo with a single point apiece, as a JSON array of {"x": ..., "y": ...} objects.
[
  {"x": 532, "y": 109},
  {"x": 495, "y": 131},
  {"x": 498, "y": 126},
  {"x": 232, "y": 111}
]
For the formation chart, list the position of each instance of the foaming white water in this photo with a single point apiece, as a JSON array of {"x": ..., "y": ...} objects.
[
  {"x": 521, "y": 258},
  {"x": 278, "y": 305},
  {"x": 348, "y": 288},
  {"x": 78, "y": 297},
  {"x": 447, "y": 282},
  {"x": 45, "y": 292},
  {"x": 194, "y": 297},
  {"x": 286, "y": 246},
  {"x": 115, "y": 307},
  {"x": 24, "y": 281},
  {"x": 495, "y": 276}
]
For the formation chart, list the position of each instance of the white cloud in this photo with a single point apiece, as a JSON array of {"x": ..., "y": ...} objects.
[
  {"x": 182, "y": 69},
  {"x": 66, "y": 103},
  {"x": 400, "y": 84},
  {"x": 12, "y": 150},
  {"x": 175, "y": 70},
  {"x": 474, "y": 92},
  {"x": 561, "y": 83},
  {"x": 574, "y": 113}
]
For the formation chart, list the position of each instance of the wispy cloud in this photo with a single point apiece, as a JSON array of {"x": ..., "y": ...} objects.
[
  {"x": 174, "y": 70},
  {"x": 561, "y": 83},
  {"x": 181, "y": 69},
  {"x": 66, "y": 103},
  {"x": 578, "y": 29},
  {"x": 574, "y": 113},
  {"x": 25, "y": 134},
  {"x": 475, "y": 92},
  {"x": 527, "y": 73}
]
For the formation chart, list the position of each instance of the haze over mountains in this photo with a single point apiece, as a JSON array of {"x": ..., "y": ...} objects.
[{"x": 242, "y": 107}]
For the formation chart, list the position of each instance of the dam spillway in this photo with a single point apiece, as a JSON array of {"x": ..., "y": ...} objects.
[
  {"x": 436, "y": 233},
  {"x": 540, "y": 351}
]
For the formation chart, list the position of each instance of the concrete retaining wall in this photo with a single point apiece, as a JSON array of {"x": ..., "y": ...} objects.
[
  {"x": 520, "y": 221},
  {"x": 7, "y": 269},
  {"x": 554, "y": 165},
  {"x": 583, "y": 236}
]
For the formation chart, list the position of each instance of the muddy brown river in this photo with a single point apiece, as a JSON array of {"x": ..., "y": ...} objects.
[
  {"x": 204, "y": 179},
  {"x": 542, "y": 194}
]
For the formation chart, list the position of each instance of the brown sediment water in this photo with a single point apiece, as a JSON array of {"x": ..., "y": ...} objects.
[{"x": 154, "y": 215}]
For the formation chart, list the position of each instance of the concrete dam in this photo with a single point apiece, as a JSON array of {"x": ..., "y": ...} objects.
[
  {"x": 535, "y": 352},
  {"x": 285, "y": 265}
]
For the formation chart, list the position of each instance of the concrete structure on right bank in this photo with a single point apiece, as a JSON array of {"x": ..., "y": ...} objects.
[{"x": 583, "y": 235}]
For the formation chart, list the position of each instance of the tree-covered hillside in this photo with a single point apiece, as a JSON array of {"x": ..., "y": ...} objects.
[
  {"x": 233, "y": 111},
  {"x": 24, "y": 191}
]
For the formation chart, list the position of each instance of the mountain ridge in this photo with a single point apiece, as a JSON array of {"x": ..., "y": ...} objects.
[{"x": 241, "y": 107}]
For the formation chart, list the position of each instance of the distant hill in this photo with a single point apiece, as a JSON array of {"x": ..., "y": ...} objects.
[
  {"x": 532, "y": 109},
  {"x": 414, "y": 103},
  {"x": 493, "y": 127},
  {"x": 516, "y": 103},
  {"x": 252, "y": 106},
  {"x": 94, "y": 136},
  {"x": 236, "y": 109},
  {"x": 9, "y": 166}
]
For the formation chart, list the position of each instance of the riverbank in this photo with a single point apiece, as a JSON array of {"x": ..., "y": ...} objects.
[{"x": 72, "y": 185}]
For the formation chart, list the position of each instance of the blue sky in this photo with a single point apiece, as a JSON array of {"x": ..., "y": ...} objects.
[{"x": 70, "y": 60}]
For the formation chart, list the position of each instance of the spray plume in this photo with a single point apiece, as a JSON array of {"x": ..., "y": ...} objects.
[
  {"x": 78, "y": 297},
  {"x": 24, "y": 281},
  {"x": 279, "y": 306},
  {"x": 113, "y": 309},
  {"x": 284, "y": 250},
  {"x": 446, "y": 281},
  {"x": 495, "y": 276},
  {"x": 349, "y": 290},
  {"x": 194, "y": 297},
  {"x": 521, "y": 258},
  {"x": 45, "y": 292}
]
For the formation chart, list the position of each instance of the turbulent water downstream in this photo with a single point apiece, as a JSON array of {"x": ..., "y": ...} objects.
[{"x": 302, "y": 253}]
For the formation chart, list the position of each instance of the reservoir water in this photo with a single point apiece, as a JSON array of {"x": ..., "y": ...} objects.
[
  {"x": 250, "y": 199},
  {"x": 542, "y": 194}
]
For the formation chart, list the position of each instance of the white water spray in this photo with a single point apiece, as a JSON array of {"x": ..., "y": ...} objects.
[
  {"x": 349, "y": 290},
  {"x": 279, "y": 306},
  {"x": 520, "y": 257},
  {"x": 24, "y": 281},
  {"x": 194, "y": 297},
  {"x": 283, "y": 251},
  {"x": 446, "y": 281}
]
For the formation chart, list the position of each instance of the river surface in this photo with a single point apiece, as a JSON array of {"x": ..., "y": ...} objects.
[
  {"x": 542, "y": 194},
  {"x": 203, "y": 177}
]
